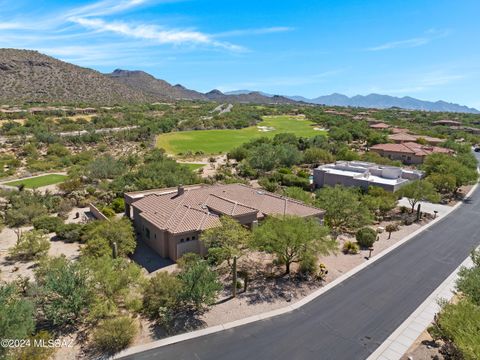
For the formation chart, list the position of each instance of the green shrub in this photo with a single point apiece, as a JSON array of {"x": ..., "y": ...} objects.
[
  {"x": 17, "y": 315},
  {"x": 350, "y": 247},
  {"x": 304, "y": 174},
  {"x": 48, "y": 223},
  {"x": 268, "y": 185},
  {"x": 70, "y": 232},
  {"x": 114, "y": 335},
  {"x": 108, "y": 212},
  {"x": 366, "y": 237},
  {"x": 64, "y": 294},
  {"x": 285, "y": 171},
  {"x": 101, "y": 235},
  {"x": 32, "y": 245},
  {"x": 308, "y": 265},
  {"x": 118, "y": 205},
  {"x": 35, "y": 352},
  {"x": 457, "y": 325},
  {"x": 161, "y": 292},
  {"x": 293, "y": 180},
  {"x": 391, "y": 228}
]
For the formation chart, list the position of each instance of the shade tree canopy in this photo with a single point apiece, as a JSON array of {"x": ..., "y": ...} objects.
[{"x": 291, "y": 239}]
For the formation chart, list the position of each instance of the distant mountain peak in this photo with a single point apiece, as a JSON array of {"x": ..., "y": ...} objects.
[
  {"x": 380, "y": 101},
  {"x": 29, "y": 76},
  {"x": 214, "y": 92}
]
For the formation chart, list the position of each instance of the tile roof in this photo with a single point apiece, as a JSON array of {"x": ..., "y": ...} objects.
[
  {"x": 199, "y": 208},
  {"x": 403, "y": 137},
  {"x": 411, "y": 148},
  {"x": 380, "y": 126}
]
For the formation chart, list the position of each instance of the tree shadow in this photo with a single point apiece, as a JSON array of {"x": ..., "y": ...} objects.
[{"x": 269, "y": 289}]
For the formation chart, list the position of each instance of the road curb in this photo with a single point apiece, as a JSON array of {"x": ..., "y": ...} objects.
[
  {"x": 289, "y": 308},
  {"x": 398, "y": 343}
]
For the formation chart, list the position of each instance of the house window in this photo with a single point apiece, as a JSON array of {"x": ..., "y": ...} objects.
[
  {"x": 182, "y": 240},
  {"x": 193, "y": 237},
  {"x": 409, "y": 158},
  {"x": 147, "y": 233},
  {"x": 188, "y": 239},
  {"x": 155, "y": 236}
]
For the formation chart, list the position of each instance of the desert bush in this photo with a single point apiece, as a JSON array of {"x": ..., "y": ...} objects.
[
  {"x": 100, "y": 236},
  {"x": 63, "y": 294},
  {"x": 350, "y": 247},
  {"x": 17, "y": 315},
  {"x": 161, "y": 292},
  {"x": 114, "y": 335},
  {"x": 391, "y": 228},
  {"x": 35, "y": 352},
  {"x": 32, "y": 245},
  {"x": 118, "y": 205},
  {"x": 47, "y": 223},
  {"x": 70, "y": 232},
  {"x": 308, "y": 265},
  {"x": 108, "y": 212},
  {"x": 366, "y": 237}
]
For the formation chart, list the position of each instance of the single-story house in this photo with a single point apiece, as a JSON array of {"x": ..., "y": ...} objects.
[
  {"x": 400, "y": 138},
  {"x": 409, "y": 152},
  {"x": 171, "y": 221},
  {"x": 380, "y": 126},
  {"x": 363, "y": 174},
  {"x": 447, "y": 123}
]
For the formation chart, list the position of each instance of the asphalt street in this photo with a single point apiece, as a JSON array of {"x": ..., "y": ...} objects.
[{"x": 352, "y": 319}]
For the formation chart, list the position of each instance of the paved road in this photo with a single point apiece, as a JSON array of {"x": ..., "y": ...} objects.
[{"x": 352, "y": 319}]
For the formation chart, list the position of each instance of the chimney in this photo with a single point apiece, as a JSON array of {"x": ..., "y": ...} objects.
[{"x": 180, "y": 190}]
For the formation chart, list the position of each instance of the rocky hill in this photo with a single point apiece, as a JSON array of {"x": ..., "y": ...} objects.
[
  {"x": 29, "y": 76},
  {"x": 155, "y": 88},
  {"x": 162, "y": 90}
]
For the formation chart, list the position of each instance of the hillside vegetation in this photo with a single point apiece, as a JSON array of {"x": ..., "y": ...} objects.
[{"x": 29, "y": 76}]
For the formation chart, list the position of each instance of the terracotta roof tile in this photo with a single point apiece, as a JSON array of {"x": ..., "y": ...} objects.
[
  {"x": 411, "y": 148},
  {"x": 199, "y": 208}
]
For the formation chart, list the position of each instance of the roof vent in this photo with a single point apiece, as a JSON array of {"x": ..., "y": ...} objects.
[{"x": 259, "y": 192}]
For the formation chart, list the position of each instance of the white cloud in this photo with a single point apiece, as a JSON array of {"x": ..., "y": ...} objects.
[
  {"x": 151, "y": 32},
  {"x": 105, "y": 7},
  {"x": 401, "y": 44},
  {"x": 11, "y": 26},
  {"x": 429, "y": 36}
]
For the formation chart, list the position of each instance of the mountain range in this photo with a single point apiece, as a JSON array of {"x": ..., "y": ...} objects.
[
  {"x": 385, "y": 101},
  {"x": 377, "y": 101},
  {"x": 29, "y": 76}
]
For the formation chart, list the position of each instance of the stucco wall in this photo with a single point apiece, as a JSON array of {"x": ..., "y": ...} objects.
[{"x": 406, "y": 159}]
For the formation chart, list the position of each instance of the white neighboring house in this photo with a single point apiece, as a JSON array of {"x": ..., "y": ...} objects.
[{"x": 363, "y": 175}]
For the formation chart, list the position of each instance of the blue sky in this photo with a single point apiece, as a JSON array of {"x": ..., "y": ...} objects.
[{"x": 423, "y": 48}]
